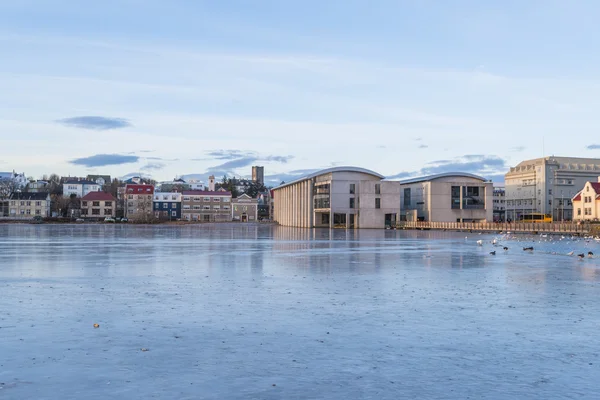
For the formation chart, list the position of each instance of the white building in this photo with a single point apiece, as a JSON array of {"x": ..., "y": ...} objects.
[
  {"x": 586, "y": 203},
  {"x": 195, "y": 184},
  {"x": 447, "y": 197},
  {"x": 340, "y": 197},
  {"x": 18, "y": 179},
  {"x": 547, "y": 185},
  {"x": 80, "y": 188}
]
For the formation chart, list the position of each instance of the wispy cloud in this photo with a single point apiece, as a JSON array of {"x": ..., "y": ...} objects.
[
  {"x": 593, "y": 147},
  {"x": 423, "y": 146},
  {"x": 236, "y": 159},
  {"x": 95, "y": 123},
  {"x": 153, "y": 166},
  {"x": 478, "y": 164},
  {"x": 517, "y": 148},
  {"x": 101, "y": 160}
]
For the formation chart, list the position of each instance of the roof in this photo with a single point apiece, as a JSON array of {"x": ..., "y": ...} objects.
[
  {"x": 206, "y": 193},
  {"x": 443, "y": 175},
  {"x": 95, "y": 177},
  {"x": 577, "y": 197},
  {"x": 330, "y": 170},
  {"x": 133, "y": 188},
  {"x": 98, "y": 196},
  {"x": 28, "y": 196},
  {"x": 79, "y": 182},
  {"x": 596, "y": 186}
]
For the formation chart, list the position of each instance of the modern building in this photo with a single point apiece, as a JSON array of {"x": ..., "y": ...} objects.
[
  {"x": 499, "y": 204},
  {"x": 138, "y": 204},
  {"x": 447, "y": 197},
  {"x": 340, "y": 197},
  {"x": 586, "y": 203},
  {"x": 167, "y": 205},
  {"x": 547, "y": 185},
  {"x": 244, "y": 209},
  {"x": 100, "y": 179},
  {"x": 29, "y": 205},
  {"x": 196, "y": 184},
  {"x": 98, "y": 205},
  {"x": 206, "y": 206},
  {"x": 258, "y": 175},
  {"x": 79, "y": 188}
]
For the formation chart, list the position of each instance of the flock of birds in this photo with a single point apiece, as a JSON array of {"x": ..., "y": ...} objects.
[{"x": 590, "y": 254}]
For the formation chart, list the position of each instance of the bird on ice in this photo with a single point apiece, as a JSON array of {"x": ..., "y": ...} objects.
[
  {"x": 480, "y": 242},
  {"x": 505, "y": 248},
  {"x": 571, "y": 253},
  {"x": 493, "y": 253},
  {"x": 581, "y": 256},
  {"x": 590, "y": 254}
]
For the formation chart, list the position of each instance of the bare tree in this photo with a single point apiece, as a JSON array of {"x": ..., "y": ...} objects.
[{"x": 7, "y": 186}]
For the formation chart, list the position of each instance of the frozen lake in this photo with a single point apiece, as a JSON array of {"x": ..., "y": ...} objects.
[{"x": 263, "y": 312}]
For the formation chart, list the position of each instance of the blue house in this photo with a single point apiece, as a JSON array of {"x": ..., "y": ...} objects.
[{"x": 167, "y": 205}]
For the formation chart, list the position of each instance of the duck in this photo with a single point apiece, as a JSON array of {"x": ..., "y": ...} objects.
[
  {"x": 96, "y": 325},
  {"x": 505, "y": 248},
  {"x": 493, "y": 253},
  {"x": 528, "y": 248},
  {"x": 480, "y": 242},
  {"x": 590, "y": 254},
  {"x": 494, "y": 241},
  {"x": 581, "y": 256},
  {"x": 571, "y": 253}
]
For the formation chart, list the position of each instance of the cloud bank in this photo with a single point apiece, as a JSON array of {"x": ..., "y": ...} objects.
[{"x": 102, "y": 160}]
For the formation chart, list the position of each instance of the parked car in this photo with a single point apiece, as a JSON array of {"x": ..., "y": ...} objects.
[
  {"x": 124, "y": 219},
  {"x": 80, "y": 220},
  {"x": 37, "y": 219},
  {"x": 109, "y": 219}
]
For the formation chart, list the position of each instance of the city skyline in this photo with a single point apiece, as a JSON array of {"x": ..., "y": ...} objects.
[{"x": 186, "y": 89}]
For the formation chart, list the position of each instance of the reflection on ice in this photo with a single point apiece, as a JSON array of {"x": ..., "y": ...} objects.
[{"x": 228, "y": 311}]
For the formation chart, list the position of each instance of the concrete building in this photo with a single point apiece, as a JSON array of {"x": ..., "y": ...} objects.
[
  {"x": 167, "y": 205},
  {"x": 98, "y": 205},
  {"x": 499, "y": 204},
  {"x": 586, "y": 203},
  {"x": 138, "y": 202},
  {"x": 206, "y": 206},
  {"x": 340, "y": 197},
  {"x": 244, "y": 209},
  {"x": 447, "y": 197},
  {"x": 258, "y": 175},
  {"x": 547, "y": 185},
  {"x": 79, "y": 188},
  {"x": 29, "y": 205}
]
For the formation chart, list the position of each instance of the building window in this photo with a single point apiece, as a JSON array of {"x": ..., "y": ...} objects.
[
  {"x": 165, "y": 205},
  {"x": 173, "y": 213},
  {"x": 174, "y": 197},
  {"x": 216, "y": 207},
  {"x": 206, "y": 199},
  {"x": 165, "y": 197},
  {"x": 579, "y": 211},
  {"x": 95, "y": 204},
  {"x": 107, "y": 211},
  {"x": 95, "y": 211},
  {"x": 186, "y": 198},
  {"x": 156, "y": 206},
  {"x": 28, "y": 211},
  {"x": 225, "y": 199},
  {"x": 226, "y": 207},
  {"x": 550, "y": 192},
  {"x": 377, "y": 188},
  {"x": 377, "y": 202},
  {"x": 204, "y": 207},
  {"x": 216, "y": 199},
  {"x": 351, "y": 202},
  {"x": 352, "y": 190},
  {"x": 455, "y": 197},
  {"x": 407, "y": 197},
  {"x": 108, "y": 203},
  {"x": 23, "y": 203},
  {"x": 130, "y": 197},
  {"x": 38, "y": 212},
  {"x": 38, "y": 203},
  {"x": 84, "y": 203},
  {"x": 549, "y": 202}
]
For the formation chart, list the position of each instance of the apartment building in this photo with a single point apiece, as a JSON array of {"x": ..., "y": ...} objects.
[
  {"x": 206, "y": 206},
  {"x": 29, "y": 205},
  {"x": 499, "y": 204},
  {"x": 98, "y": 205},
  {"x": 167, "y": 205},
  {"x": 79, "y": 188},
  {"x": 138, "y": 201},
  {"x": 547, "y": 185}
]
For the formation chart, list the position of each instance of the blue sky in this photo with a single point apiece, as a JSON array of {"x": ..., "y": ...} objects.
[{"x": 178, "y": 87}]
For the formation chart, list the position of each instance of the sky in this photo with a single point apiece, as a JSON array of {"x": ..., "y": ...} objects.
[{"x": 192, "y": 88}]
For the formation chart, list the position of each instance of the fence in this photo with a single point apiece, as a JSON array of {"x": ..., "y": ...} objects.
[{"x": 552, "y": 227}]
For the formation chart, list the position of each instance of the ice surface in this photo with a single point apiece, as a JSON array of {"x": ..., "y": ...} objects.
[{"x": 262, "y": 312}]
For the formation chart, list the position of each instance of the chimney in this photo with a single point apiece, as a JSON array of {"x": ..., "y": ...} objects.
[{"x": 211, "y": 183}]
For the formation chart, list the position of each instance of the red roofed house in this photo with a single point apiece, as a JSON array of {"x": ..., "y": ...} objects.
[
  {"x": 138, "y": 201},
  {"x": 206, "y": 206},
  {"x": 98, "y": 205},
  {"x": 586, "y": 203}
]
